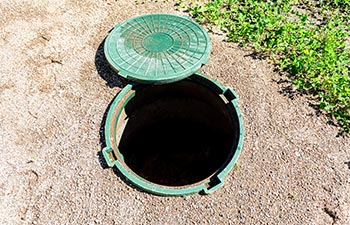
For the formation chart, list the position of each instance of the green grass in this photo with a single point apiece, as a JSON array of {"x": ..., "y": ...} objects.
[{"x": 308, "y": 39}]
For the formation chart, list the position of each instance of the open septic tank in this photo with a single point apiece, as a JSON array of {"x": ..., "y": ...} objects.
[{"x": 171, "y": 130}]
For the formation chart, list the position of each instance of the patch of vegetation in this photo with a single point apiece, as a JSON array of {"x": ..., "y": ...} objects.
[{"x": 308, "y": 39}]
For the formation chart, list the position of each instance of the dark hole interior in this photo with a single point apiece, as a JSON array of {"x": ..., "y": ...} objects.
[{"x": 176, "y": 134}]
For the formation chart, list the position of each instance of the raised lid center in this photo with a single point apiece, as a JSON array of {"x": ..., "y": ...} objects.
[{"x": 157, "y": 42}]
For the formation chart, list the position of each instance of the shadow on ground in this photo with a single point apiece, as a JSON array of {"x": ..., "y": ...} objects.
[
  {"x": 105, "y": 71},
  {"x": 101, "y": 159},
  {"x": 348, "y": 164}
]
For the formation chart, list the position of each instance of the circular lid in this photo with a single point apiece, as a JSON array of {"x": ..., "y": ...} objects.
[{"x": 157, "y": 48}]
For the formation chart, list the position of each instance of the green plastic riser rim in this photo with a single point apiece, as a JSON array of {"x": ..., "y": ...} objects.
[
  {"x": 206, "y": 186},
  {"x": 157, "y": 48}
]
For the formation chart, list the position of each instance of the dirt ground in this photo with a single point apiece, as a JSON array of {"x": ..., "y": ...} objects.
[{"x": 55, "y": 86}]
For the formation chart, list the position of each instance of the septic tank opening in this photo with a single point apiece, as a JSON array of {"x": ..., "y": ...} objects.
[{"x": 176, "y": 134}]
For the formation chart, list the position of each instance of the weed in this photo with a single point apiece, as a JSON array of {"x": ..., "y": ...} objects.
[
  {"x": 312, "y": 44},
  {"x": 293, "y": 196}
]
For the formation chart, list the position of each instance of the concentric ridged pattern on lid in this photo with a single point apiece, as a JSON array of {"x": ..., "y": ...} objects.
[{"x": 157, "y": 48}]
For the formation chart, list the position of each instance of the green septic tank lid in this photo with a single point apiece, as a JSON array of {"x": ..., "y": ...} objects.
[{"x": 157, "y": 48}]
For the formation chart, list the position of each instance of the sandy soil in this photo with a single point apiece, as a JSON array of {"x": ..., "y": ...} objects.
[{"x": 55, "y": 86}]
